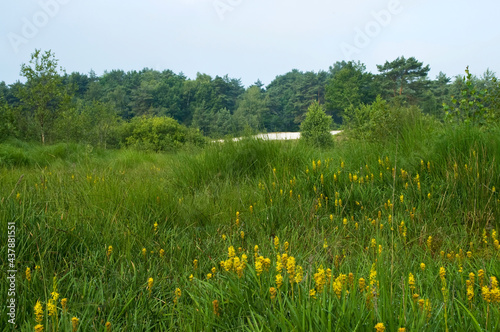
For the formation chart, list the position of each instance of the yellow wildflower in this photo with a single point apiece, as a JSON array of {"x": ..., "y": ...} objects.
[
  {"x": 162, "y": 252},
  {"x": 258, "y": 267},
  {"x": 108, "y": 327},
  {"x": 39, "y": 328},
  {"x": 362, "y": 284},
  {"x": 191, "y": 277},
  {"x": 470, "y": 290},
  {"x": 286, "y": 245},
  {"x": 38, "y": 312},
  {"x": 276, "y": 242},
  {"x": 273, "y": 292},
  {"x": 28, "y": 274},
  {"x": 177, "y": 295},
  {"x": 312, "y": 293},
  {"x": 150, "y": 285},
  {"x": 380, "y": 327},
  {"x": 231, "y": 252},
  {"x": 51, "y": 307},
  {"x": 74, "y": 323},
  {"x": 279, "y": 280},
  {"x": 144, "y": 252},
  {"x": 242, "y": 235},
  {"x": 224, "y": 237},
  {"x": 299, "y": 275},
  {"x": 411, "y": 282},
  {"x": 64, "y": 305},
  {"x": 480, "y": 275},
  {"x": 215, "y": 305},
  {"x": 290, "y": 267}
]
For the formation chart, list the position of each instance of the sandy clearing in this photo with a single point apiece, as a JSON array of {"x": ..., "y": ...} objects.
[{"x": 278, "y": 136}]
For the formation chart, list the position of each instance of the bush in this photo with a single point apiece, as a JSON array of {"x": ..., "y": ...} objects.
[
  {"x": 315, "y": 129},
  {"x": 380, "y": 120},
  {"x": 159, "y": 134}
]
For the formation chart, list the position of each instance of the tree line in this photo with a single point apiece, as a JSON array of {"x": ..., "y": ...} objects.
[{"x": 113, "y": 109}]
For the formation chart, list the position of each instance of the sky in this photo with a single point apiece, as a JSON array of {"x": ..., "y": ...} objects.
[{"x": 249, "y": 39}]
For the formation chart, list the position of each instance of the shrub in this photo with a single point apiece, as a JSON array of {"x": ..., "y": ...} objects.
[
  {"x": 159, "y": 134},
  {"x": 315, "y": 129},
  {"x": 380, "y": 120}
]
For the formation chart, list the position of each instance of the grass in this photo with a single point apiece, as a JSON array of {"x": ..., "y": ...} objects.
[{"x": 96, "y": 227}]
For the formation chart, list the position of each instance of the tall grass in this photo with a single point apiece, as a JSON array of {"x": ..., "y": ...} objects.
[{"x": 357, "y": 210}]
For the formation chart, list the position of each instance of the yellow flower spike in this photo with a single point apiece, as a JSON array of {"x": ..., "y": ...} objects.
[
  {"x": 279, "y": 280},
  {"x": 290, "y": 267},
  {"x": 108, "y": 327},
  {"x": 150, "y": 285},
  {"x": 356, "y": 226},
  {"x": 429, "y": 242},
  {"x": 480, "y": 276},
  {"x": 276, "y": 242},
  {"x": 110, "y": 251},
  {"x": 251, "y": 208},
  {"x": 231, "y": 252},
  {"x": 242, "y": 235},
  {"x": 291, "y": 193},
  {"x": 213, "y": 270},
  {"x": 415, "y": 297},
  {"x": 38, "y": 312},
  {"x": 258, "y": 267},
  {"x": 162, "y": 252},
  {"x": 273, "y": 292},
  {"x": 442, "y": 272},
  {"x": 325, "y": 244},
  {"x": 469, "y": 254},
  {"x": 312, "y": 293},
  {"x": 380, "y": 327},
  {"x": 224, "y": 237},
  {"x": 299, "y": 275},
  {"x": 28, "y": 274},
  {"x": 215, "y": 305},
  {"x": 74, "y": 322},
  {"x": 155, "y": 227},
  {"x": 144, "y": 252},
  {"x": 411, "y": 282},
  {"x": 422, "y": 266},
  {"x": 191, "y": 277},
  {"x": 39, "y": 328},
  {"x": 402, "y": 329},
  {"x": 64, "y": 305},
  {"x": 470, "y": 290},
  {"x": 195, "y": 264},
  {"x": 401, "y": 198},
  {"x": 429, "y": 195}
]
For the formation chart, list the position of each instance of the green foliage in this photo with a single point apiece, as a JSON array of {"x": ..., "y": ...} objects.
[
  {"x": 8, "y": 121},
  {"x": 315, "y": 129},
  {"x": 404, "y": 78},
  {"x": 159, "y": 134},
  {"x": 350, "y": 86},
  {"x": 475, "y": 105},
  {"x": 44, "y": 96},
  {"x": 380, "y": 120}
]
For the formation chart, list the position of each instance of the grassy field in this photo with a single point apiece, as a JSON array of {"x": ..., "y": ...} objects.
[{"x": 257, "y": 235}]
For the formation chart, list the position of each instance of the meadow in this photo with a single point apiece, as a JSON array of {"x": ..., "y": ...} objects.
[{"x": 399, "y": 235}]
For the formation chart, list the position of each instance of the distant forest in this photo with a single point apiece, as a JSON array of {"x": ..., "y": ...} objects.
[{"x": 53, "y": 106}]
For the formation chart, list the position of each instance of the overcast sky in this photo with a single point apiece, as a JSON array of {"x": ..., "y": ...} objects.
[{"x": 249, "y": 39}]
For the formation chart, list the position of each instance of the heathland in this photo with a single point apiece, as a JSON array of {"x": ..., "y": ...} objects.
[{"x": 258, "y": 235}]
